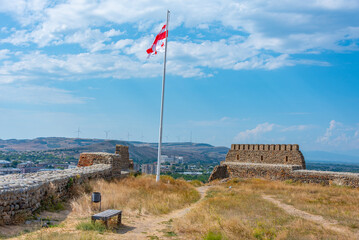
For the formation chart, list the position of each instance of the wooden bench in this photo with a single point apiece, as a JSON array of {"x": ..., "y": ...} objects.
[{"x": 106, "y": 215}]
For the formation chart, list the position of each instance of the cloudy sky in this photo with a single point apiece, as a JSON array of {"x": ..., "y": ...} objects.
[{"x": 238, "y": 71}]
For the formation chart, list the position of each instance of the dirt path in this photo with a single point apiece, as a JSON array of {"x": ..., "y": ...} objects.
[
  {"x": 143, "y": 228},
  {"x": 331, "y": 225}
]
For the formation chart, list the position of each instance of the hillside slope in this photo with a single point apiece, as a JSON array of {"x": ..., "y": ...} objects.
[{"x": 139, "y": 151}]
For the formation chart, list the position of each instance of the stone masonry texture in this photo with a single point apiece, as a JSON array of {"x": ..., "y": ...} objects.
[
  {"x": 22, "y": 194},
  {"x": 119, "y": 161},
  {"x": 287, "y": 154},
  {"x": 276, "y": 162}
]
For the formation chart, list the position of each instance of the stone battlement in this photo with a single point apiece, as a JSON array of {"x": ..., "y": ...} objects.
[
  {"x": 22, "y": 194},
  {"x": 288, "y": 154},
  {"x": 276, "y": 162},
  {"x": 265, "y": 147}
]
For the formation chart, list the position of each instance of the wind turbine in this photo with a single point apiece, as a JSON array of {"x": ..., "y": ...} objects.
[{"x": 107, "y": 132}]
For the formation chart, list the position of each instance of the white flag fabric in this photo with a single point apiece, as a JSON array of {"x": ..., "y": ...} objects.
[{"x": 159, "y": 42}]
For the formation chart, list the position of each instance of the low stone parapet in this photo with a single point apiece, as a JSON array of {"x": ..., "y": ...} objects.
[
  {"x": 119, "y": 161},
  {"x": 22, "y": 194},
  {"x": 283, "y": 172},
  {"x": 258, "y": 170},
  {"x": 327, "y": 177}
]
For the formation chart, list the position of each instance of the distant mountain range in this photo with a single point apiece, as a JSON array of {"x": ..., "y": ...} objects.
[
  {"x": 139, "y": 151},
  {"x": 147, "y": 152}
]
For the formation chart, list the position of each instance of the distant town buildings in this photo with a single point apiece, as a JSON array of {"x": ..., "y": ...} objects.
[
  {"x": 148, "y": 168},
  {"x": 28, "y": 167},
  {"x": 168, "y": 164},
  {"x": 136, "y": 167},
  {"x": 171, "y": 159},
  {"x": 4, "y": 171},
  {"x": 4, "y": 163},
  {"x": 31, "y": 167}
]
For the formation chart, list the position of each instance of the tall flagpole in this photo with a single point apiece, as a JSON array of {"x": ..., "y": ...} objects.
[{"x": 162, "y": 103}]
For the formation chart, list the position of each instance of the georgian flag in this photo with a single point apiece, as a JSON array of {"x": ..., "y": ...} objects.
[{"x": 159, "y": 42}]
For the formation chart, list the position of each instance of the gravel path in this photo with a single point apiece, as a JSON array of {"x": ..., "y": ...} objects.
[{"x": 144, "y": 227}]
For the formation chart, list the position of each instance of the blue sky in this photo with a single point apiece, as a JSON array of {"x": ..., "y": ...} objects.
[{"x": 238, "y": 71}]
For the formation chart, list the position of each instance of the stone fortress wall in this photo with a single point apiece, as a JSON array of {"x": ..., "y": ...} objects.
[
  {"x": 22, "y": 194},
  {"x": 287, "y": 154},
  {"x": 276, "y": 162}
]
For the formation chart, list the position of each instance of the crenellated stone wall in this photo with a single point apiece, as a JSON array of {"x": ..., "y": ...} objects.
[
  {"x": 22, "y": 194},
  {"x": 276, "y": 162},
  {"x": 288, "y": 154}
]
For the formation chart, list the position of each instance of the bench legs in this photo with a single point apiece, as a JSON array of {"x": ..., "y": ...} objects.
[
  {"x": 106, "y": 224},
  {"x": 119, "y": 219}
]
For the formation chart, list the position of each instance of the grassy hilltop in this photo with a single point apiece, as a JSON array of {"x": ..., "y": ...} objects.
[{"x": 237, "y": 209}]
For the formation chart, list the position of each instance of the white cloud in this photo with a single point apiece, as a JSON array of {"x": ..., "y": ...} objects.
[
  {"x": 280, "y": 25},
  {"x": 255, "y": 133},
  {"x": 122, "y": 43},
  {"x": 30, "y": 94},
  {"x": 269, "y": 132},
  {"x": 339, "y": 135},
  {"x": 4, "y": 53},
  {"x": 329, "y": 132},
  {"x": 251, "y": 34},
  {"x": 92, "y": 39}
]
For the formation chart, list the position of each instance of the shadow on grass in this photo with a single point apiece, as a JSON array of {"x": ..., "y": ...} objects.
[
  {"x": 100, "y": 227},
  {"x": 124, "y": 229}
]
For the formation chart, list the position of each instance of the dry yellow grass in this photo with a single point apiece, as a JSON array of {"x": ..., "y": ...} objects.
[
  {"x": 238, "y": 212},
  {"x": 331, "y": 202},
  {"x": 51, "y": 235},
  {"x": 135, "y": 195},
  {"x": 140, "y": 195},
  {"x": 241, "y": 213}
]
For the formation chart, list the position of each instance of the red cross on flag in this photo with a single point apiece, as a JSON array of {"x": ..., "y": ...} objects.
[{"x": 159, "y": 42}]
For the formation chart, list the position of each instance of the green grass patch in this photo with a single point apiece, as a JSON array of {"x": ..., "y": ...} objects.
[
  {"x": 214, "y": 236},
  {"x": 153, "y": 237},
  {"x": 90, "y": 226},
  {"x": 264, "y": 232},
  {"x": 170, "y": 234},
  {"x": 56, "y": 207}
]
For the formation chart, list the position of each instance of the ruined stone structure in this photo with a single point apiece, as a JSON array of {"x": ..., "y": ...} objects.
[
  {"x": 276, "y": 162},
  {"x": 22, "y": 194},
  {"x": 119, "y": 161}
]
